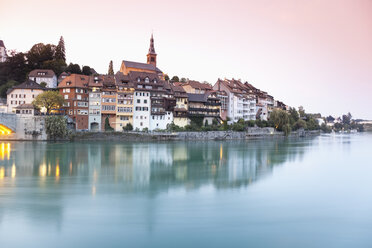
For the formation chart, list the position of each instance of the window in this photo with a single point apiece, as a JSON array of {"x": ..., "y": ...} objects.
[
  {"x": 145, "y": 101},
  {"x": 138, "y": 101},
  {"x": 138, "y": 80},
  {"x": 124, "y": 118},
  {"x": 79, "y": 97},
  {"x": 108, "y": 108},
  {"x": 68, "y": 90},
  {"x": 147, "y": 80},
  {"x": 66, "y": 96},
  {"x": 140, "y": 86}
]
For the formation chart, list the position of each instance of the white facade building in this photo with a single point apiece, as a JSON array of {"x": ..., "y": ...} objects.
[
  {"x": 46, "y": 76},
  {"x": 141, "y": 110},
  {"x": 24, "y": 93},
  {"x": 94, "y": 118}
]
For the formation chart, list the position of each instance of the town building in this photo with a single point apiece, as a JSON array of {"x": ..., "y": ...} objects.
[
  {"x": 24, "y": 93},
  {"x": 108, "y": 101},
  {"x": 74, "y": 90},
  {"x": 195, "y": 87},
  {"x": 124, "y": 111},
  {"x": 3, "y": 54},
  {"x": 26, "y": 110},
  {"x": 44, "y": 76},
  {"x": 204, "y": 108},
  {"x": 239, "y": 101},
  {"x": 62, "y": 76},
  {"x": 95, "y": 93},
  {"x": 149, "y": 67},
  {"x": 180, "y": 117}
]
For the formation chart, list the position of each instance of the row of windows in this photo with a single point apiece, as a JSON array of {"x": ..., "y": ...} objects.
[
  {"x": 125, "y": 102},
  {"x": 125, "y": 109},
  {"x": 17, "y": 102},
  {"x": 139, "y": 101},
  {"x": 94, "y": 112},
  {"x": 19, "y": 96},
  {"x": 142, "y": 109},
  {"x": 108, "y": 100},
  {"x": 142, "y": 94},
  {"x": 108, "y": 107},
  {"x": 124, "y": 118},
  {"x": 79, "y": 112}
]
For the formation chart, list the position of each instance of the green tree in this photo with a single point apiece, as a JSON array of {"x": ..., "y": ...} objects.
[
  {"x": 49, "y": 100},
  {"x": 73, "y": 68},
  {"x": 183, "y": 80},
  {"x": 166, "y": 77},
  {"x": 346, "y": 119},
  {"x": 128, "y": 127},
  {"x": 299, "y": 124},
  {"x": 43, "y": 84},
  {"x": 40, "y": 53},
  {"x": 280, "y": 118},
  {"x": 60, "y": 53},
  {"x": 56, "y": 127},
  {"x": 58, "y": 66},
  {"x": 111, "y": 69},
  {"x": 4, "y": 88},
  {"x": 175, "y": 79},
  {"x": 107, "y": 125},
  {"x": 14, "y": 68},
  {"x": 293, "y": 116},
  {"x": 86, "y": 70}
]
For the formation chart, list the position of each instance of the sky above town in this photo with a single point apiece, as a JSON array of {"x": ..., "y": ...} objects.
[{"x": 317, "y": 54}]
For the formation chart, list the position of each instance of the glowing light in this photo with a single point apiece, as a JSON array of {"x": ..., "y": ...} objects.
[
  {"x": 4, "y": 130},
  {"x": 221, "y": 152},
  {"x": 42, "y": 170},
  {"x": 2, "y": 172},
  {"x": 94, "y": 190},
  {"x": 57, "y": 171},
  {"x": 13, "y": 171}
]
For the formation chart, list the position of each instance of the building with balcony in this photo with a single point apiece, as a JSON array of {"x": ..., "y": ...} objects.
[
  {"x": 205, "y": 107},
  {"x": 125, "y": 97},
  {"x": 108, "y": 101}
]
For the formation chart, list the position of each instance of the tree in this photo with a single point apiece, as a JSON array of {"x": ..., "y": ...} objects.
[
  {"x": 183, "y": 80},
  {"x": 43, "y": 84},
  {"x": 40, "y": 53},
  {"x": 175, "y": 79},
  {"x": 128, "y": 127},
  {"x": 60, "y": 53},
  {"x": 111, "y": 69},
  {"x": 4, "y": 88},
  {"x": 293, "y": 115},
  {"x": 14, "y": 68},
  {"x": 280, "y": 119},
  {"x": 166, "y": 77},
  {"x": 346, "y": 119},
  {"x": 49, "y": 100},
  {"x": 73, "y": 68},
  {"x": 87, "y": 70},
  {"x": 107, "y": 125},
  {"x": 56, "y": 127}
]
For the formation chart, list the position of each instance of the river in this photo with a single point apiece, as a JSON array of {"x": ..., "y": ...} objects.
[{"x": 308, "y": 192}]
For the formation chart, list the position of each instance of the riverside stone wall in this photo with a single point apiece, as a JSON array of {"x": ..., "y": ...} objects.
[{"x": 27, "y": 128}]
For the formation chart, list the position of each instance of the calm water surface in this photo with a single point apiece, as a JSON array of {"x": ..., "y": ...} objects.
[{"x": 291, "y": 193}]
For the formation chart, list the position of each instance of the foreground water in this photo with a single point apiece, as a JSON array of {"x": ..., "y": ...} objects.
[{"x": 291, "y": 193}]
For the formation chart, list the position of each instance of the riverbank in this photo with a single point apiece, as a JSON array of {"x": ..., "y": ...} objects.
[{"x": 253, "y": 133}]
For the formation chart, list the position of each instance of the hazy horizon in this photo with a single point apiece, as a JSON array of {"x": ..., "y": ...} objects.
[{"x": 317, "y": 54}]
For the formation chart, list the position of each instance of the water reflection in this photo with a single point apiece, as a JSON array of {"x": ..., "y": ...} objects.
[
  {"x": 152, "y": 166},
  {"x": 41, "y": 177}
]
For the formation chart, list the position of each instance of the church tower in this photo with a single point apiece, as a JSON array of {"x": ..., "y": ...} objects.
[{"x": 151, "y": 56}]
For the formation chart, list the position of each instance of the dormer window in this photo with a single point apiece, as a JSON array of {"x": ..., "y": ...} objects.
[
  {"x": 155, "y": 81},
  {"x": 138, "y": 80},
  {"x": 147, "y": 80}
]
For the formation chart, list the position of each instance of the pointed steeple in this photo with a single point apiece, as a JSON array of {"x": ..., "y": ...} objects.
[
  {"x": 151, "y": 56},
  {"x": 152, "y": 48}
]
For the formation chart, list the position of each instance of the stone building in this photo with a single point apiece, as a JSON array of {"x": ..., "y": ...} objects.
[{"x": 3, "y": 54}]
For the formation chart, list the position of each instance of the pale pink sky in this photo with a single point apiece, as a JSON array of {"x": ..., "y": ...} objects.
[{"x": 312, "y": 53}]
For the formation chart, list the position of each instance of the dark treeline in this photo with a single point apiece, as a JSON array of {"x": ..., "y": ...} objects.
[{"x": 41, "y": 56}]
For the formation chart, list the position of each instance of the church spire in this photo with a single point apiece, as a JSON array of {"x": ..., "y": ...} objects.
[{"x": 151, "y": 56}]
